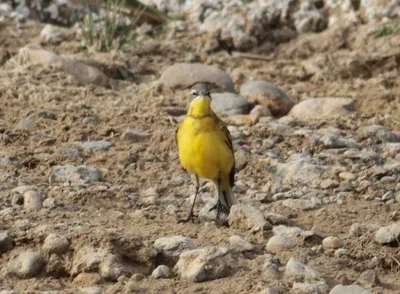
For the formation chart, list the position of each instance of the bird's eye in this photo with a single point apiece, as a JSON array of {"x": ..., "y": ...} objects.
[{"x": 194, "y": 93}]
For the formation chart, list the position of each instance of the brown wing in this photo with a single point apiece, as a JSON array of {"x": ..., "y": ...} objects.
[{"x": 228, "y": 141}]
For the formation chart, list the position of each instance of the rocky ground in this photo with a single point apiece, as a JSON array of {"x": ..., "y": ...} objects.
[{"x": 91, "y": 187}]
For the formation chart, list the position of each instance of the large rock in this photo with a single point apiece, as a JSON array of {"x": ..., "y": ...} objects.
[
  {"x": 351, "y": 289},
  {"x": 230, "y": 103},
  {"x": 76, "y": 174},
  {"x": 169, "y": 248},
  {"x": 322, "y": 108},
  {"x": 27, "y": 264},
  {"x": 202, "y": 264},
  {"x": 268, "y": 95},
  {"x": 185, "y": 75},
  {"x": 389, "y": 234}
]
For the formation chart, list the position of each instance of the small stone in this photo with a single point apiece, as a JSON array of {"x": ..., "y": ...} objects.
[
  {"x": 276, "y": 218},
  {"x": 27, "y": 264},
  {"x": 50, "y": 203},
  {"x": 334, "y": 141},
  {"x": 100, "y": 145},
  {"x": 398, "y": 197},
  {"x": 33, "y": 200},
  {"x": 388, "y": 196},
  {"x": 230, "y": 103},
  {"x": 161, "y": 272},
  {"x": 67, "y": 152},
  {"x": 268, "y": 95},
  {"x": 346, "y": 187},
  {"x": 52, "y": 34},
  {"x": 368, "y": 279},
  {"x": 300, "y": 271},
  {"x": 169, "y": 248},
  {"x": 9, "y": 162},
  {"x": 329, "y": 184},
  {"x": 268, "y": 291},
  {"x": 308, "y": 288},
  {"x": 135, "y": 135},
  {"x": 279, "y": 243},
  {"x": 137, "y": 277},
  {"x": 246, "y": 216},
  {"x": 389, "y": 234},
  {"x": 185, "y": 75},
  {"x": 341, "y": 252},
  {"x": 56, "y": 244},
  {"x": 302, "y": 204},
  {"x": 240, "y": 244},
  {"x": 322, "y": 108},
  {"x": 204, "y": 264},
  {"x": 331, "y": 242},
  {"x": 379, "y": 132},
  {"x": 90, "y": 290},
  {"x": 351, "y": 289},
  {"x": 171, "y": 209},
  {"x": 358, "y": 229},
  {"x": 76, "y": 174},
  {"x": 208, "y": 213},
  {"x": 347, "y": 176},
  {"x": 5, "y": 242},
  {"x": 26, "y": 123},
  {"x": 88, "y": 279}
]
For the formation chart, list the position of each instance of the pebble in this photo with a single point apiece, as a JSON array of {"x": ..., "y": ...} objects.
[
  {"x": 358, "y": 229},
  {"x": 331, "y": 242},
  {"x": 169, "y": 248},
  {"x": 247, "y": 217},
  {"x": 332, "y": 142},
  {"x": 9, "y": 162},
  {"x": 302, "y": 204},
  {"x": 351, "y": 289},
  {"x": 322, "y": 108},
  {"x": 308, "y": 288},
  {"x": 171, "y": 209},
  {"x": 50, "y": 203},
  {"x": 240, "y": 244},
  {"x": 268, "y": 95},
  {"x": 5, "y": 242},
  {"x": 347, "y": 176},
  {"x": 33, "y": 200},
  {"x": 203, "y": 264},
  {"x": 89, "y": 290},
  {"x": 398, "y": 197},
  {"x": 67, "y": 152},
  {"x": 135, "y": 135},
  {"x": 161, "y": 272},
  {"x": 100, "y": 145},
  {"x": 229, "y": 103},
  {"x": 184, "y": 75},
  {"x": 52, "y": 34},
  {"x": 300, "y": 271},
  {"x": 27, "y": 264},
  {"x": 279, "y": 243},
  {"x": 88, "y": 279},
  {"x": 368, "y": 278},
  {"x": 388, "y": 234},
  {"x": 76, "y": 174},
  {"x": 379, "y": 132},
  {"x": 268, "y": 291},
  {"x": 341, "y": 252},
  {"x": 329, "y": 184},
  {"x": 57, "y": 244},
  {"x": 208, "y": 214},
  {"x": 388, "y": 196},
  {"x": 276, "y": 218},
  {"x": 26, "y": 123}
]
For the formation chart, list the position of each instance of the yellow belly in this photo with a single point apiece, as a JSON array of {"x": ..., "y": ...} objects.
[{"x": 202, "y": 149}]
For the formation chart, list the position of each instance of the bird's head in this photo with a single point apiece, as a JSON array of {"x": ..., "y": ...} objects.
[{"x": 200, "y": 100}]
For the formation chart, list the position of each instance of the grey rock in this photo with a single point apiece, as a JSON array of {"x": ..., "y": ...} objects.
[
  {"x": 230, "y": 103},
  {"x": 5, "y": 242},
  {"x": 341, "y": 252},
  {"x": 135, "y": 135},
  {"x": 331, "y": 242},
  {"x": 90, "y": 290},
  {"x": 368, "y": 278},
  {"x": 26, "y": 123},
  {"x": 391, "y": 149},
  {"x": 169, "y": 248},
  {"x": 33, "y": 200},
  {"x": 298, "y": 169},
  {"x": 398, "y": 197},
  {"x": 27, "y": 264},
  {"x": 268, "y": 95},
  {"x": 67, "y": 152},
  {"x": 270, "y": 271},
  {"x": 276, "y": 218},
  {"x": 322, "y": 108},
  {"x": 388, "y": 196},
  {"x": 208, "y": 213},
  {"x": 309, "y": 288},
  {"x": 171, "y": 209},
  {"x": 338, "y": 142},
  {"x": 379, "y": 132},
  {"x": 242, "y": 156},
  {"x": 100, "y": 145},
  {"x": 87, "y": 259},
  {"x": 268, "y": 291},
  {"x": 388, "y": 234},
  {"x": 285, "y": 231},
  {"x": 302, "y": 204},
  {"x": 351, "y": 289},
  {"x": 9, "y": 162},
  {"x": 184, "y": 75},
  {"x": 358, "y": 229},
  {"x": 240, "y": 244},
  {"x": 56, "y": 244},
  {"x": 112, "y": 267},
  {"x": 346, "y": 187},
  {"x": 247, "y": 217},
  {"x": 161, "y": 272},
  {"x": 71, "y": 173},
  {"x": 50, "y": 203},
  {"x": 300, "y": 272},
  {"x": 204, "y": 264},
  {"x": 329, "y": 184},
  {"x": 279, "y": 243},
  {"x": 8, "y": 291},
  {"x": 347, "y": 176}
]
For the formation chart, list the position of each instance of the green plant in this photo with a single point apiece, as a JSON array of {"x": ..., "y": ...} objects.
[{"x": 112, "y": 30}]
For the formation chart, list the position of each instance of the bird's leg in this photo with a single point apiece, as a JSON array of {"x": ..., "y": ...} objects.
[
  {"x": 219, "y": 197},
  {"x": 191, "y": 215}
]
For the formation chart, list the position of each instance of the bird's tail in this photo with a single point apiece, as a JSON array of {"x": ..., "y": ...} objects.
[{"x": 226, "y": 198}]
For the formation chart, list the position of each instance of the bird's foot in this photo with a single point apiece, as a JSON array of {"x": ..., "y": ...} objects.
[{"x": 191, "y": 217}]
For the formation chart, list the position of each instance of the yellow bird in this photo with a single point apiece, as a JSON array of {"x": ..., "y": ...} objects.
[{"x": 205, "y": 148}]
